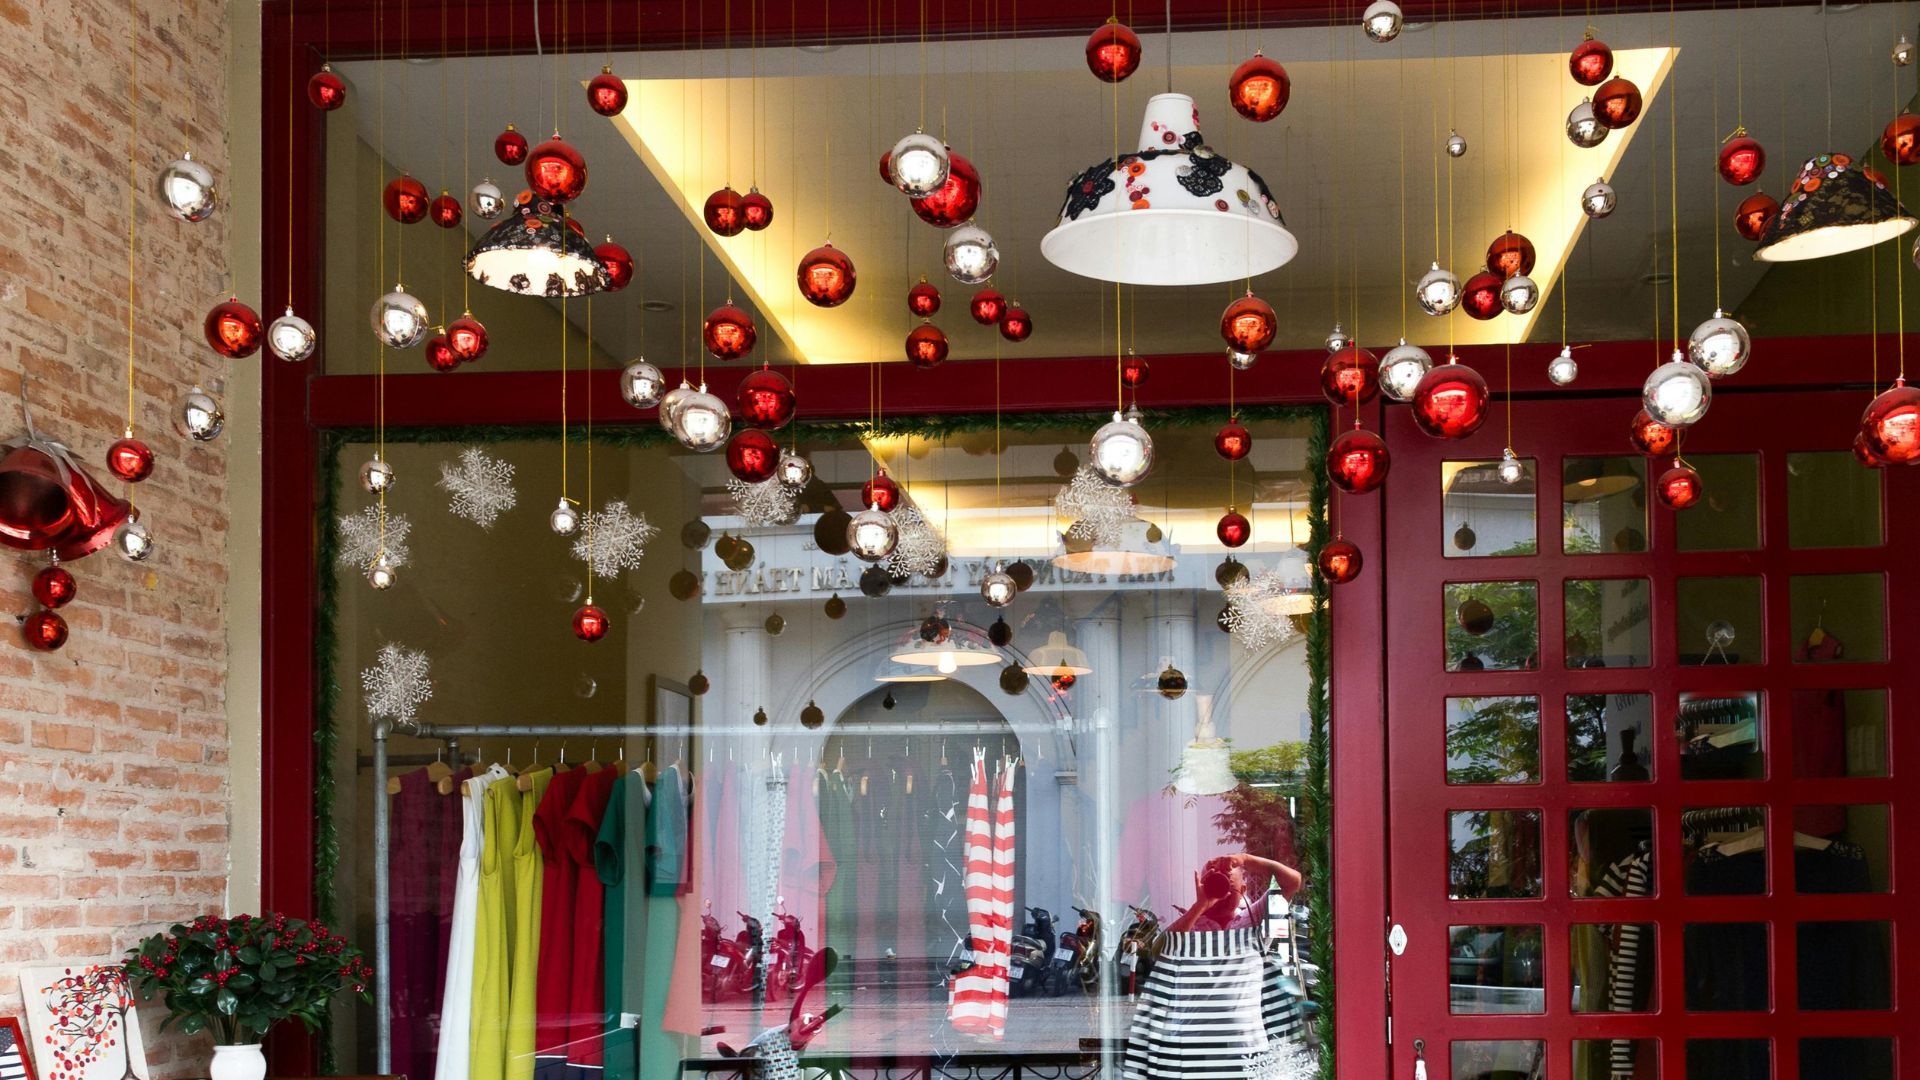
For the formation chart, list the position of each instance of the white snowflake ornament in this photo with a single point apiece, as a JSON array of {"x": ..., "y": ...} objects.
[
  {"x": 920, "y": 547},
  {"x": 769, "y": 502},
  {"x": 481, "y": 486},
  {"x": 1260, "y": 609},
  {"x": 612, "y": 539},
  {"x": 1098, "y": 510},
  {"x": 361, "y": 540},
  {"x": 397, "y": 684}
]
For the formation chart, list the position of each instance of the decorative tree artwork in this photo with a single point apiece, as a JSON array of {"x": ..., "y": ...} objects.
[{"x": 83, "y": 1023}]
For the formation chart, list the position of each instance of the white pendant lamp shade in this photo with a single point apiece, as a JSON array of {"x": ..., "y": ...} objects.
[{"x": 1171, "y": 213}]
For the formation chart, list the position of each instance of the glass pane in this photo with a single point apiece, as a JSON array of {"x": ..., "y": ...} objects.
[
  {"x": 1484, "y": 516},
  {"x": 1607, "y": 623},
  {"x": 1727, "y": 850},
  {"x": 1603, "y": 505},
  {"x": 1506, "y": 1059},
  {"x": 1729, "y": 1059},
  {"x": 1840, "y": 849},
  {"x": 1838, "y": 617},
  {"x": 1845, "y": 965},
  {"x": 1726, "y": 967},
  {"x": 1606, "y": 737},
  {"x": 1613, "y": 967},
  {"x": 1839, "y": 733},
  {"x": 1493, "y": 854},
  {"x": 1846, "y": 1059},
  {"x": 1610, "y": 852},
  {"x": 1727, "y": 518},
  {"x": 1721, "y": 737},
  {"x": 1718, "y": 620},
  {"x": 1606, "y": 1059},
  {"x": 1493, "y": 740},
  {"x": 1495, "y": 969},
  {"x": 1493, "y": 626},
  {"x": 1832, "y": 501}
]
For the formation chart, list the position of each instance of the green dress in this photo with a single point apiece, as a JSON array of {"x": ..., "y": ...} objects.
[
  {"x": 617, "y": 858},
  {"x": 665, "y": 868},
  {"x": 492, "y": 963},
  {"x": 523, "y": 957}
]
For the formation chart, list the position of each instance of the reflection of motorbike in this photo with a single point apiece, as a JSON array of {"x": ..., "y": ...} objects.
[
  {"x": 775, "y": 1052},
  {"x": 728, "y": 967},
  {"x": 1030, "y": 961},
  {"x": 1139, "y": 948},
  {"x": 1084, "y": 945},
  {"x": 787, "y": 957}
]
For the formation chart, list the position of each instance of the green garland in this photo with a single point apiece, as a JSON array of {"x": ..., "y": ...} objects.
[
  {"x": 326, "y": 737},
  {"x": 1319, "y": 825}
]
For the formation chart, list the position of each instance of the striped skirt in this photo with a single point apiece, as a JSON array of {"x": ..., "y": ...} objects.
[{"x": 1214, "y": 1008}]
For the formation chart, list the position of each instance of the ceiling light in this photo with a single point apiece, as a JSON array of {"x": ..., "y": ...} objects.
[
  {"x": 656, "y": 305},
  {"x": 946, "y": 656},
  {"x": 891, "y": 672},
  {"x": 1057, "y": 658},
  {"x": 1139, "y": 548},
  {"x": 536, "y": 251},
  {"x": 1833, "y": 207}
]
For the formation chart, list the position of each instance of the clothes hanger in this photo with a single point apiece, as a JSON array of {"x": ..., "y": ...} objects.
[
  {"x": 648, "y": 770},
  {"x": 525, "y": 780},
  {"x": 619, "y": 763},
  {"x": 592, "y": 764}
]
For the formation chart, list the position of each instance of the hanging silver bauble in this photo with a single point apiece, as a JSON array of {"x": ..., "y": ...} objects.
[
  {"x": 381, "y": 573},
  {"x": 1902, "y": 52},
  {"x": 1720, "y": 345},
  {"x": 198, "y": 416},
  {"x": 1338, "y": 339},
  {"x": 998, "y": 588},
  {"x": 486, "y": 200},
  {"x": 133, "y": 541},
  {"x": 1518, "y": 294},
  {"x": 1241, "y": 361},
  {"x": 1401, "y": 370},
  {"x": 291, "y": 337},
  {"x": 1438, "y": 291},
  {"x": 671, "y": 404},
  {"x": 1584, "y": 128},
  {"x": 1510, "y": 470},
  {"x": 1677, "y": 393},
  {"x": 971, "y": 255},
  {"x": 565, "y": 518},
  {"x": 1381, "y": 20},
  {"x": 872, "y": 534},
  {"x": 1720, "y": 634},
  {"x": 1598, "y": 200},
  {"x": 186, "y": 189},
  {"x": 400, "y": 319},
  {"x": 1456, "y": 144},
  {"x": 919, "y": 164},
  {"x": 377, "y": 475},
  {"x": 702, "y": 422},
  {"x": 1562, "y": 369},
  {"x": 794, "y": 470},
  {"x": 1121, "y": 451},
  {"x": 641, "y": 384}
]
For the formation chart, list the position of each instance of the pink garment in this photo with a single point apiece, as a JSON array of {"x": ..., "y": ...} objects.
[
  {"x": 683, "y": 1000},
  {"x": 1168, "y": 837},
  {"x": 806, "y": 864},
  {"x": 725, "y": 882}
]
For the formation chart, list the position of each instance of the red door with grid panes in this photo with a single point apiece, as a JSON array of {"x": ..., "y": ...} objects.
[{"x": 1651, "y": 772}]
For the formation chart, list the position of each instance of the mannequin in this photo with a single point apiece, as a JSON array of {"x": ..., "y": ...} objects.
[{"x": 1204, "y": 765}]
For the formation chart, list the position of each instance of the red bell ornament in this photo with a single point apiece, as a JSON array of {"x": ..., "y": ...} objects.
[
  {"x": 1754, "y": 214},
  {"x": 1590, "y": 62},
  {"x": 826, "y": 276},
  {"x": 1679, "y": 487},
  {"x": 880, "y": 492},
  {"x": 1510, "y": 254},
  {"x": 923, "y": 299},
  {"x": 445, "y": 211},
  {"x": 728, "y": 333},
  {"x": 130, "y": 460},
  {"x": 1901, "y": 139},
  {"x": 619, "y": 265},
  {"x": 607, "y": 93},
  {"x": 1134, "y": 371},
  {"x": 757, "y": 209},
  {"x": 926, "y": 346},
  {"x": 468, "y": 338},
  {"x": 325, "y": 90},
  {"x": 987, "y": 306},
  {"x": 1233, "y": 529},
  {"x": 1357, "y": 461},
  {"x": 1653, "y": 438},
  {"x": 1480, "y": 296},
  {"x": 440, "y": 354},
  {"x": 1113, "y": 52},
  {"x": 1350, "y": 376},
  {"x": 510, "y": 147},
  {"x": 54, "y": 587},
  {"x": 1616, "y": 104},
  {"x": 1891, "y": 425},
  {"x": 752, "y": 455},
  {"x": 1450, "y": 402},
  {"x": 44, "y": 631},
  {"x": 724, "y": 213},
  {"x": 764, "y": 400},
  {"x": 405, "y": 199},
  {"x": 48, "y": 503},
  {"x": 1234, "y": 441},
  {"x": 233, "y": 329},
  {"x": 556, "y": 171},
  {"x": 1259, "y": 88},
  {"x": 1339, "y": 560},
  {"x": 1742, "y": 158},
  {"x": 953, "y": 202},
  {"x": 1015, "y": 324},
  {"x": 1248, "y": 324},
  {"x": 590, "y": 623}
]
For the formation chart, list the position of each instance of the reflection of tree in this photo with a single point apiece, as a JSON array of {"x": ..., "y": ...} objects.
[
  {"x": 1494, "y": 854},
  {"x": 1493, "y": 740},
  {"x": 89, "y": 1018},
  {"x": 1587, "y": 737},
  {"x": 1513, "y": 642}
]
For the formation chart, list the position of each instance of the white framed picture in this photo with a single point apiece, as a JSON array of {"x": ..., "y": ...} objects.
[{"x": 81, "y": 1023}]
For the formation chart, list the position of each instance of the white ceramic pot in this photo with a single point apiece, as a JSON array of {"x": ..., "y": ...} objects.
[{"x": 238, "y": 1063}]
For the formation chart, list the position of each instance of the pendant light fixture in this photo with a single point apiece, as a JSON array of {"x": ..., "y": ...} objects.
[{"x": 1833, "y": 207}]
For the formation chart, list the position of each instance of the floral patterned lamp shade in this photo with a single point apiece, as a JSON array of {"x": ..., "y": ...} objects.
[
  {"x": 1835, "y": 206},
  {"x": 1173, "y": 212},
  {"x": 537, "y": 250}
]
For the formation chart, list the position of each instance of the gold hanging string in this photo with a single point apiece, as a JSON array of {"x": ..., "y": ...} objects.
[
  {"x": 1715, "y": 179},
  {"x": 588, "y": 516},
  {"x": 1899, "y": 269},
  {"x": 293, "y": 79},
  {"x": 1673, "y": 183},
  {"x": 133, "y": 194},
  {"x": 466, "y": 131}
]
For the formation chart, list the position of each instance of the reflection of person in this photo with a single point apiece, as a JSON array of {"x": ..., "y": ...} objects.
[{"x": 1231, "y": 886}]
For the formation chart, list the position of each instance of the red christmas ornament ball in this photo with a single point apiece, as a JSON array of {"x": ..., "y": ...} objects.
[
  {"x": 1891, "y": 425},
  {"x": 826, "y": 276},
  {"x": 510, "y": 147},
  {"x": 1113, "y": 52},
  {"x": 1339, "y": 560},
  {"x": 1590, "y": 62},
  {"x": 1510, "y": 254},
  {"x": 1259, "y": 88},
  {"x": 468, "y": 338},
  {"x": 886, "y": 167},
  {"x": 757, "y": 209},
  {"x": 1233, "y": 529},
  {"x": 1015, "y": 324},
  {"x": 440, "y": 354},
  {"x": 728, "y": 333},
  {"x": 233, "y": 329},
  {"x": 130, "y": 459},
  {"x": 1134, "y": 371},
  {"x": 752, "y": 455},
  {"x": 445, "y": 211},
  {"x": 1651, "y": 437},
  {"x": 880, "y": 492},
  {"x": 326, "y": 91},
  {"x": 607, "y": 93},
  {"x": 764, "y": 399},
  {"x": 987, "y": 306},
  {"x": 54, "y": 587},
  {"x": 44, "y": 630},
  {"x": 1357, "y": 461},
  {"x": 954, "y": 202},
  {"x": 405, "y": 199},
  {"x": 1679, "y": 487},
  {"x": 1450, "y": 402},
  {"x": 1754, "y": 214},
  {"x": 619, "y": 265},
  {"x": 724, "y": 213},
  {"x": 1864, "y": 454},
  {"x": 1233, "y": 441},
  {"x": 923, "y": 299},
  {"x": 590, "y": 623},
  {"x": 1350, "y": 376},
  {"x": 1901, "y": 140},
  {"x": 1616, "y": 103},
  {"x": 1741, "y": 160},
  {"x": 1248, "y": 324},
  {"x": 556, "y": 171},
  {"x": 926, "y": 346},
  {"x": 1480, "y": 296}
]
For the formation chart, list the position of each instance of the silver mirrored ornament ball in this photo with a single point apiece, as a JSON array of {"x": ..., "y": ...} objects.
[
  {"x": 1519, "y": 294},
  {"x": 400, "y": 319},
  {"x": 198, "y": 416},
  {"x": 1456, "y": 144},
  {"x": 794, "y": 470},
  {"x": 1598, "y": 200},
  {"x": 565, "y": 518},
  {"x": 186, "y": 189},
  {"x": 872, "y": 534},
  {"x": 381, "y": 573},
  {"x": 133, "y": 541},
  {"x": 671, "y": 404},
  {"x": 702, "y": 422},
  {"x": 1121, "y": 451},
  {"x": 998, "y": 588},
  {"x": 1510, "y": 470},
  {"x": 1902, "y": 52},
  {"x": 1338, "y": 339},
  {"x": 919, "y": 164},
  {"x": 486, "y": 200},
  {"x": 1241, "y": 361},
  {"x": 1401, "y": 370},
  {"x": 971, "y": 254},
  {"x": 1677, "y": 393},
  {"x": 377, "y": 475},
  {"x": 1381, "y": 21},
  {"x": 1438, "y": 291},
  {"x": 291, "y": 337},
  {"x": 641, "y": 384},
  {"x": 1584, "y": 128},
  {"x": 1720, "y": 634},
  {"x": 1720, "y": 345},
  {"x": 1562, "y": 369}
]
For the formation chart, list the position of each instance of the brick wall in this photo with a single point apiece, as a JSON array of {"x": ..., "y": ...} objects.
[{"x": 113, "y": 774}]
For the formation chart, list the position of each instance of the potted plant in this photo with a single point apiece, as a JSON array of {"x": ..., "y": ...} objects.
[{"x": 236, "y": 977}]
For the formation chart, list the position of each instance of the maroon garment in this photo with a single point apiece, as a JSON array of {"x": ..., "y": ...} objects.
[
  {"x": 586, "y": 986},
  {"x": 554, "y": 975},
  {"x": 423, "y": 862}
]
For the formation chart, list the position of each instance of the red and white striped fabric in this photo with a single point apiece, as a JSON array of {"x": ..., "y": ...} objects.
[{"x": 978, "y": 1003}]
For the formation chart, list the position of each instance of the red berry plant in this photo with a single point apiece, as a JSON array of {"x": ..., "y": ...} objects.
[{"x": 236, "y": 977}]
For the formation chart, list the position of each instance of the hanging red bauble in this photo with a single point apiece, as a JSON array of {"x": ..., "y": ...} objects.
[
  {"x": 1510, "y": 254},
  {"x": 1754, "y": 214},
  {"x": 1233, "y": 528},
  {"x": 926, "y": 346},
  {"x": 326, "y": 90},
  {"x": 1233, "y": 441},
  {"x": 1590, "y": 62},
  {"x": 607, "y": 93},
  {"x": 233, "y": 329},
  {"x": 752, "y": 455},
  {"x": 1350, "y": 376},
  {"x": 1679, "y": 487},
  {"x": 510, "y": 147},
  {"x": 1901, "y": 140},
  {"x": 405, "y": 199},
  {"x": 953, "y": 202},
  {"x": 1651, "y": 437},
  {"x": 881, "y": 492},
  {"x": 1259, "y": 88},
  {"x": 44, "y": 630},
  {"x": 468, "y": 338},
  {"x": 1864, "y": 454},
  {"x": 440, "y": 354},
  {"x": 590, "y": 623},
  {"x": 923, "y": 299},
  {"x": 1134, "y": 371},
  {"x": 54, "y": 587},
  {"x": 1357, "y": 461},
  {"x": 619, "y": 265},
  {"x": 764, "y": 399},
  {"x": 724, "y": 213},
  {"x": 1339, "y": 560},
  {"x": 1742, "y": 158},
  {"x": 1015, "y": 324},
  {"x": 130, "y": 459},
  {"x": 756, "y": 209},
  {"x": 445, "y": 211},
  {"x": 1617, "y": 103},
  {"x": 1480, "y": 296},
  {"x": 1113, "y": 52},
  {"x": 1891, "y": 424},
  {"x": 556, "y": 171},
  {"x": 886, "y": 167},
  {"x": 728, "y": 333},
  {"x": 1248, "y": 324},
  {"x": 826, "y": 276},
  {"x": 987, "y": 306},
  {"x": 1450, "y": 402}
]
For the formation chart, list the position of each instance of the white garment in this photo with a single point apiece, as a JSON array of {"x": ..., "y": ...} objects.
[{"x": 456, "y": 1003}]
